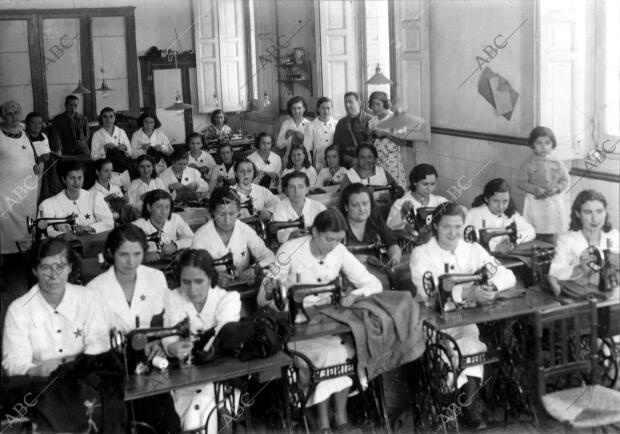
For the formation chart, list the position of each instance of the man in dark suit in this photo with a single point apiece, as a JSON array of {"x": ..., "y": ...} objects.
[
  {"x": 70, "y": 130},
  {"x": 351, "y": 130}
]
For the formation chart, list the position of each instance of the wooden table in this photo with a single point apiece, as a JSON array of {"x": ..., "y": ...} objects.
[{"x": 319, "y": 325}]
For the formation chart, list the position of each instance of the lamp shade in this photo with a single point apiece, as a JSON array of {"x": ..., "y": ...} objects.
[
  {"x": 80, "y": 89},
  {"x": 104, "y": 87},
  {"x": 402, "y": 124},
  {"x": 178, "y": 104},
  {"x": 378, "y": 78}
]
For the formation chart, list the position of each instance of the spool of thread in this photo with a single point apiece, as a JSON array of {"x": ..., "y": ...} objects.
[{"x": 160, "y": 362}]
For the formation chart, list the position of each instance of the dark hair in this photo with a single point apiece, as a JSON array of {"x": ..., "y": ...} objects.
[
  {"x": 148, "y": 114},
  {"x": 215, "y": 113},
  {"x": 118, "y": 236},
  {"x": 179, "y": 154},
  {"x": 541, "y": 132},
  {"x": 153, "y": 196},
  {"x": 295, "y": 100},
  {"x": 351, "y": 189},
  {"x": 150, "y": 159},
  {"x": 102, "y": 162},
  {"x": 331, "y": 148},
  {"x": 330, "y": 220},
  {"x": 295, "y": 174},
  {"x": 381, "y": 96},
  {"x": 583, "y": 197},
  {"x": 51, "y": 247},
  {"x": 198, "y": 258},
  {"x": 225, "y": 145},
  {"x": 353, "y": 94},
  {"x": 70, "y": 97},
  {"x": 31, "y": 116},
  {"x": 295, "y": 146},
  {"x": 193, "y": 136},
  {"x": 420, "y": 172},
  {"x": 69, "y": 166},
  {"x": 104, "y": 110},
  {"x": 244, "y": 161},
  {"x": 445, "y": 209},
  {"x": 260, "y": 137},
  {"x": 322, "y": 100},
  {"x": 367, "y": 146},
  {"x": 222, "y": 196},
  {"x": 497, "y": 185}
]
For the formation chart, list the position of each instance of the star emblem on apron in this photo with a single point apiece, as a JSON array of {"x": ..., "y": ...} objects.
[
  {"x": 142, "y": 297},
  {"x": 87, "y": 216},
  {"x": 77, "y": 333}
]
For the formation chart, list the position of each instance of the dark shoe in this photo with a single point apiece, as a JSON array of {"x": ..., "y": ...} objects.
[
  {"x": 472, "y": 414},
  {"x": 347, "y": 428}
]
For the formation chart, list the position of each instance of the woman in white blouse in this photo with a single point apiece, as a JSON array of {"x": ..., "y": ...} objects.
[
  {"x": 149, "y": 136},
  {"x": 268, "y": 164},
  {"x": 589, "y": 226},
  {"x": 55, "y": 321},
  {"x": 146, "y": 181},
  {"x": 108, "y": 136},
  {"x": 494, "y": 208},
  {"x": 199, "y": 159},
  {"x": 263, "y": 200},
  {"x": 218, "y": 128},
  {"x": 321, "y": 258},
  {"x": 224, "y": 173},
  {"x": 103, "y": 170},
  {"x": 225, "y": 233},
  {"x": 298, "y": 161},
  {"x": 157, "y": 217},
  {"x": 296, "y": 185},
  {"x": 208, "y": 308},
  {"x": 332, "y": 173},
  {"x": 180, "y": 176},
  {"x": 293, "y": 128},
  {"x": 319, "y": 133},
  {"x": 422, "y": 183}
]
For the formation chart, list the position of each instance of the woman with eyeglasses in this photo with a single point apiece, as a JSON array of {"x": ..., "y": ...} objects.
[{"x": 55, "y": 321}]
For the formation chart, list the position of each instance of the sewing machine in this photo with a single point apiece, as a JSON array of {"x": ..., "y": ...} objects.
[
  {"x": 376, "y": 248},
  {"x": 155, "y": 238},
  {"x": 257, "y": 224},
  {"x": 541, "y": 261},
  {"x": 132, "y": 345},
  {"x": 442, "y": 298},
  {"x": 274, "y": 227},
  {"x": 238, "y": 143},
  {"x": 181, "y": 205},
  {"x": 601, "y": 262},
  {"x": 41, "y": 224},
  {"x": 227, "y": 261},
  {"x": 395, "y": 190},
  {"x": 485, "y": 235},
  {"x": 297, "y": 293}
]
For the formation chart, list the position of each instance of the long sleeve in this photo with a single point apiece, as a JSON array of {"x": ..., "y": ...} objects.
[
  {"x": 340, "y": 138},
  {"x": 184, "y": 234},
  {"x": 564, "y": 261},
  {"x": 419, "y": 263},
  {"x": 17, "y": 353},
  {"x": 46, "y": 210},
  {"x": 281, "y": 142},
  {"x": 523, "y": 179},
  {"x": 259, "y": 250},
  {"x": 311, "y": 172},
  {"x": 228, "y": 310},
  {"x": 137, "y": 139},
  {"x": 96, "y": 334},
  {"x": 525, "y": 231},
  {"x": 103, "y": 214},
  {"x": 564, "y": 178},
  {"x": 165, "y": 143},
  {"x": 97, "y": 145},
  {"x": 502, "y": 277},
  {"x": 365, "y": 283},
  {"x": 279, "y": 271}
]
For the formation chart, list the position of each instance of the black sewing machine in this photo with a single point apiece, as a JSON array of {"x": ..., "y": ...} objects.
[
  {"x": 41, "y": 224},
  {"x": 600, "y": 262},
  {"x": 257, "y": 224},
  {"x": 421, "y": 217},
  {"x": 132, "y": 345},
  {"x": 442, "y": 298},
  {"x": 298, "y": 292},
  {"x": 485, "y": 235},
  {"x": 376, "y": 248},
  {"x": 395, "y": 190},
  {"x": 227, "y": 261},
  {"x": 541, "y": 261},
  {"x": 155, "y": 238},
  {"x": 274, "y": 227},
  {"x": 180, "y": 205}
]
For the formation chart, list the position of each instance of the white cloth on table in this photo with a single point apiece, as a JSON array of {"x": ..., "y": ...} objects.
[
  {"x": 175, "y": 230},
  {"x": 481, "y": 217},
  {"x": 296, "y": 264},
  {"x": 89, "y": 208},
  {"x": 309, "y": 171},
  {"x": 284, "y": 212},
  {"x": 189, "y": 175},
  {"x": 289, "y": 124},
  {"x": 158, "y": 138},
  {"x": 318, "y": 136},
  {"x": 19, "y": 187},
  {"x": 35, "y": 332},
  {"x": 395, "y": 220},
  {"x": 262, "y": 199},
  {"x": 466, "y": 258},
  {"x": 101, "y": 137},
  {"x": 138, "y": 187},
  {"x": 325, "y": 176}
]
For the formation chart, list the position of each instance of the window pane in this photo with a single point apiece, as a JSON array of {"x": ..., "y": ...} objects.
[
  {"x": 612, "y": 68},
  {"x": 167, "y": 82},
  {"x": 15, "y": 81},
  {"x": 377, "y": 42},
  {"x": 110, "y": 62}
]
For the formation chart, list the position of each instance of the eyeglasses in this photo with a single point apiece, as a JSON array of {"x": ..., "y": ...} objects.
[{"x": 52, "y": 268}]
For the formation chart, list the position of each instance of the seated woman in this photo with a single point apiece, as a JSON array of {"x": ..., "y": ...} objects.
[
  {"x": 157, "y": 217},
  {"x": 293, "y": 128},
  {"x": 268, "y": 164},
  {"x": 364, "y": 224},
  {"x": 146, "y": 182},
  {"x": 92, "y": 212},
  {"x": 589, "y": 226},
  {"x": 494, "y": 208},
  {"x": 298, "y": 161},
  {"x": 198, "y": 158},
  {"x": 149, "y": 136},
  {"x": 180, "y": 178},
  {"x": 321, "y": 257},
  {"x": 422, "y": 182},
  {"x": 109, "y": 136},
  {"x": 225, "y": 233},
  {"x": 224, "y": 173},
  {"x": 112, "y": 193},
  {"x": 296, "y": 185},
  {"x": 263, "y": 200},
  {"x": 208, "y": 307},
  {"x": 333, "y": 174},
  {"x": 40, "y": 326},
  {"x": 447, "y": 249},
  {"x": 135, "y": 296},
  {"x": 218, "y": 128}
]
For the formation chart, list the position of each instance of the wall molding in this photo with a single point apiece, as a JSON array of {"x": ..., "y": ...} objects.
[
  {"x": 601, "y": 176},
  {"x": 513, "y": 140}
]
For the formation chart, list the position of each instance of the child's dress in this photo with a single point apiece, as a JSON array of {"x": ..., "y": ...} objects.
[{"x": 548, "y": 215}]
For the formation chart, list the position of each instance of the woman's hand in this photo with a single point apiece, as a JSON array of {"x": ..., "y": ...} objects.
[
  {"x": 297, "y": 233},
  {"x": 44, "y": 369},
  {"x": 289, "y": 133},
  {"x": 83, "y": 229},
  {"x": 540, "y": 192},
  {"x": 180, "y": 349},
  {"x": 145, "y": 146},
  {"x": 153, "y": 349},
  {"x": 123, "y": 147},
  {"x": 192, "y": 186},
  {"x": 480, "y": 294},
  {"x": 169, "y": 249},
  {"x": 395, "y": 255},
  {"x": 349, "y": 299},
  {"x": 109, "y": 145},
  {"x": 406, "y": 208},
  {"x": 176, "y": 186},
  {"x": 264, "y": 215},
  {"x": 555, "y": 285},
  {"x": 151, "y": 257}
]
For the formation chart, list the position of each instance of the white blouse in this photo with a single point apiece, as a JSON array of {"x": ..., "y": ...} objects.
[
  {"x": 150, "y": 297},
  {"x": 379, "y": 177},
  {"x": 284, "y": 212},
  {"x": 481, "y": 217},
  {"x": 273, "y": 163},
  {"x": 243, "y": 242},
  {"x": 204, "y": 160},
  {"x": 571, "y": 245},
  {"x": 90, "y": 208},
  {"x": 189, "y": 175},
  {"x": 175, "y": 230},
  {"x": 114, "y": 190},
  {"x": 318, "y": 136},
  {"x": 158, "y": 138},
  {"x": 310, "y": 171},
  {"x": 138, "y": 187},
  {"x": 42, "y": 147},
  {"x": 262, "y": 199},
  {"x": 101, "y": 137},
  {"x": 466, "y": 258},
  {"x": 220, "y": 170},
  {"x": 325, "y": 176},
  {"x": 35, "y": 332},
  {"x": 395, "y": 220},
  {"x": 289, "y": 124}
]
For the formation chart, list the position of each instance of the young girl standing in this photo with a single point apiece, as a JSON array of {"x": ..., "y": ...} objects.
[{"x": 544, "y": 178}]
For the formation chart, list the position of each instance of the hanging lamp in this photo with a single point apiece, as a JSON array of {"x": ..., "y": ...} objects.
[
  {"x": 178, "y": 104},
  {"x": 80, "y": 89},
  {"x": 378, "y": 78}
]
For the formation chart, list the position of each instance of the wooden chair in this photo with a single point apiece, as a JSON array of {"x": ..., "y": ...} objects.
[{"x": 566, "y": 352}]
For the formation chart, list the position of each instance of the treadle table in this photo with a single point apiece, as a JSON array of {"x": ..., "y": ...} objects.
[{"x": 92, "y": 244}]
